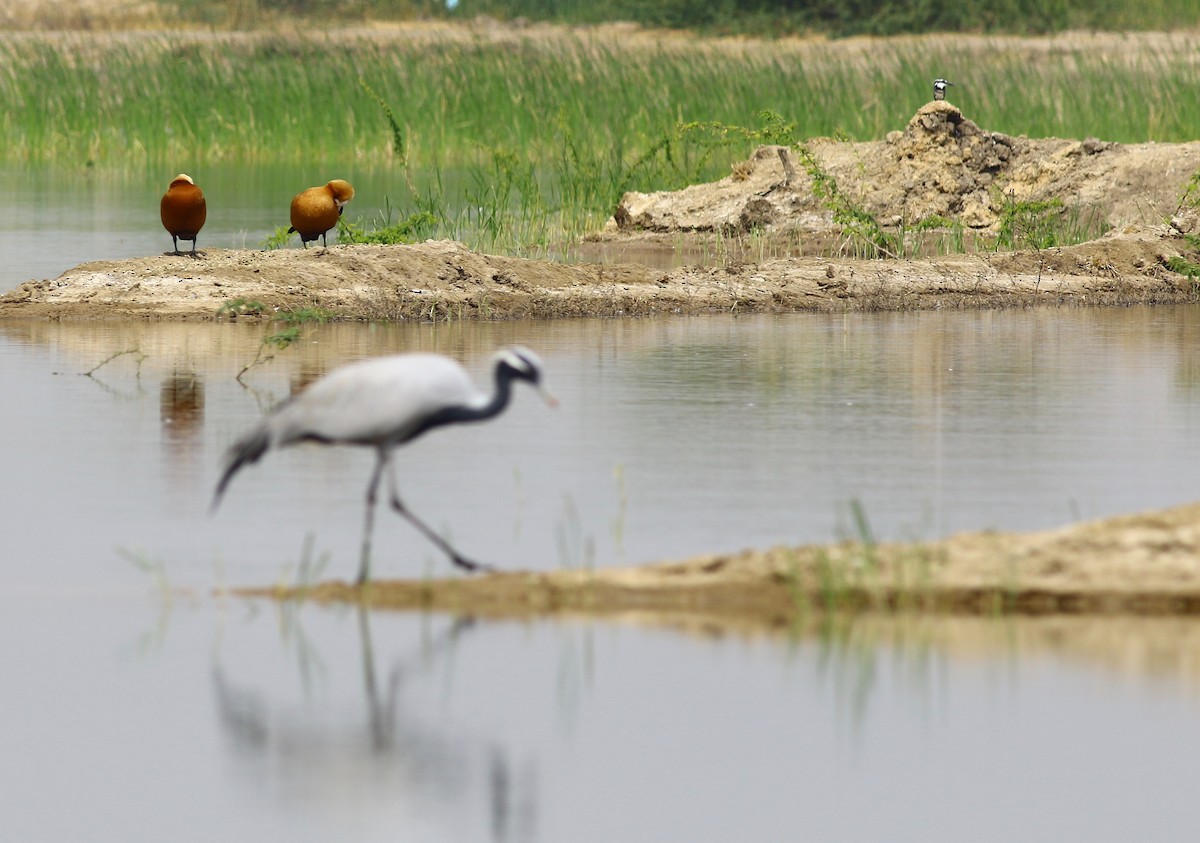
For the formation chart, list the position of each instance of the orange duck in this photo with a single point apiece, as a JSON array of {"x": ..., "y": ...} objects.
[
  {"x": 317, "y": 209},
  {"x": 183, "y": 211}
]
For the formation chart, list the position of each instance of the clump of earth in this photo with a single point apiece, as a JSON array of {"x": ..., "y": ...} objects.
[{"x": 941, "y": 166}]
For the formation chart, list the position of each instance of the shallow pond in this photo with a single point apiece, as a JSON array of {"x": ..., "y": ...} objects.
[{"x": 140, "y": 707}]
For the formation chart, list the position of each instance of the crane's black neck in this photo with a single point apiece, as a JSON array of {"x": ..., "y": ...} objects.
[{"x": 505, "y": 375}]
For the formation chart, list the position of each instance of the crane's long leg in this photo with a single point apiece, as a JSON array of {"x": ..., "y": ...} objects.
[
  {"x": 364, "y": 565},
  {"x": 455, "y": 557}
]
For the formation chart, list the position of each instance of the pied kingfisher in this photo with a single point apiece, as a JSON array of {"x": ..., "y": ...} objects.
[{"x": 939, "y": 88}]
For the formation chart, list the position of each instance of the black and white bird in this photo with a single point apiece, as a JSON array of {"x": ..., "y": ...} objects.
[
  {"x": 384, "y": 402},
  {"x": 939, "y": 88}
]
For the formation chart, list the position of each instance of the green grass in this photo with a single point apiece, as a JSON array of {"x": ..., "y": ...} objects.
[
  {"x": 524, "y": 142},
  {"x": 383, "y": 231},
  {"x": 304, "y": 315},
  {"x": 607, "y": 112}
]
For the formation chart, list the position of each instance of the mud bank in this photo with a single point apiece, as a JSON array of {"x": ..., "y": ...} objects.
[
  {"x": 1146, "y": 563},
  {"x": 444, "y": 280},
  {"x": 940, "y": 166}
]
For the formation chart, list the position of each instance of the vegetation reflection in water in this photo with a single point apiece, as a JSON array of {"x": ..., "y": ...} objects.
[{"x": 856, "y": 659}]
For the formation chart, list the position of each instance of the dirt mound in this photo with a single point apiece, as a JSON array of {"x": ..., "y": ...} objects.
[{"x": 941, "y": 165}]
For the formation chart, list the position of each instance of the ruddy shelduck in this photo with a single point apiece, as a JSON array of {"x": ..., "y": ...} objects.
[
  {"x": 183, "y": 211},
  {"x": 316, "y": 210}
]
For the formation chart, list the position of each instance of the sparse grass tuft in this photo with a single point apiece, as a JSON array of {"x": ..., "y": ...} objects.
[
  {"x": 279, "y": 238},
  {"x": 1029, "y": 224},
  {"x": 1188, "y": 268},
  {"x": 411, "y": 229},
  {"x": 241, "y": 307},
  {"x": 302, "y": 315},
  {"x": 278, "y": 340}
]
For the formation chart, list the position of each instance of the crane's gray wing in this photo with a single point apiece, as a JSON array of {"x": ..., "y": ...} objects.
[{"x": 383, "y": 400}]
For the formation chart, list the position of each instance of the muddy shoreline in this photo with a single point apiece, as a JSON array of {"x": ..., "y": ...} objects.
[
  {"x": 941, "y": 167},
  {"x": 1142, "y": 564},
  {"x": 443, "y": 280}
]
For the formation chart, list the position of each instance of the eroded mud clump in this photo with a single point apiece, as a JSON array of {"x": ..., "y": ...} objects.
[
  {"x": 941, "y": 166},
  {"x": 944, "y": 166}
]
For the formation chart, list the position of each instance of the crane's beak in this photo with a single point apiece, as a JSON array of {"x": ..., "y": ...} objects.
[{"x": 547, "y": 396}]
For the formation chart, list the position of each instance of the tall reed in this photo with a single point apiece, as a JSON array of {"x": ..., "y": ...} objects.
[
  {"x": 527, "y": 137},
  {"x": 113, "y": 99}
]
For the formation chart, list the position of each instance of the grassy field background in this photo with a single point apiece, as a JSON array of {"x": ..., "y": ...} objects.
[{"x": 529, "y": 134}]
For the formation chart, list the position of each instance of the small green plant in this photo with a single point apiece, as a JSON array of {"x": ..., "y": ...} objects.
[
  {"x": 859, "y": 224},
  {"x": 934, "y": 223},
  {"x": 282, "y": 339},
  {"x": 1191, "y": 193},
  {"x": 153, "y": 568},
  {"x": 411, "y": 229},
  {"x": 278, "y": 238},
  {"x": 855, "y": 220},
  {"x": 1028, "y": 224},
  {"x": 576, "y": 550},
  {"x": 832, "y": 587},
  {"x": 865, "y": 537},
  {"x": 140, "y": 357},
  {"x": 308, "y": 570},
  {"x": 1188, "y": 268},
  {"x": 241, "y": 307},
  {"x": 279, "y": 341},
  {"x": 302, "y": 315}
]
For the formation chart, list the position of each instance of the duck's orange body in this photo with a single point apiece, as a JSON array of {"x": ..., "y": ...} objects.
[
  {"x": 183, "y": 211},
  {"x": 316, "y": 210}
]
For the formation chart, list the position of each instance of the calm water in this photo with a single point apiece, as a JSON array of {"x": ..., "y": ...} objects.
[{"x": 137, "y": 707}]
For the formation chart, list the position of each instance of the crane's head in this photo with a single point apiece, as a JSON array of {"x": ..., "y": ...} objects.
[{"x": 519, "y": 363}]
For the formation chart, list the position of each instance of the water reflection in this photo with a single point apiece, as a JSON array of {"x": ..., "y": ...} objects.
[
  {"x": 181, "y": 407},
  {"x": 304, "y": 375},
  {"x": 464, "y": 732},
  {"x": 321, "y": 723},
  {"x": 398, "y": 743}
]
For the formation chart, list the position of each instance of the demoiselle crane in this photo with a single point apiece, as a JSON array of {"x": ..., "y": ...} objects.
[{"x": 384, "y": 402}]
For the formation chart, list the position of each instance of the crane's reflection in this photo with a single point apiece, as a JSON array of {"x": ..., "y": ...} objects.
[{"x": 390, "y": 748}]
